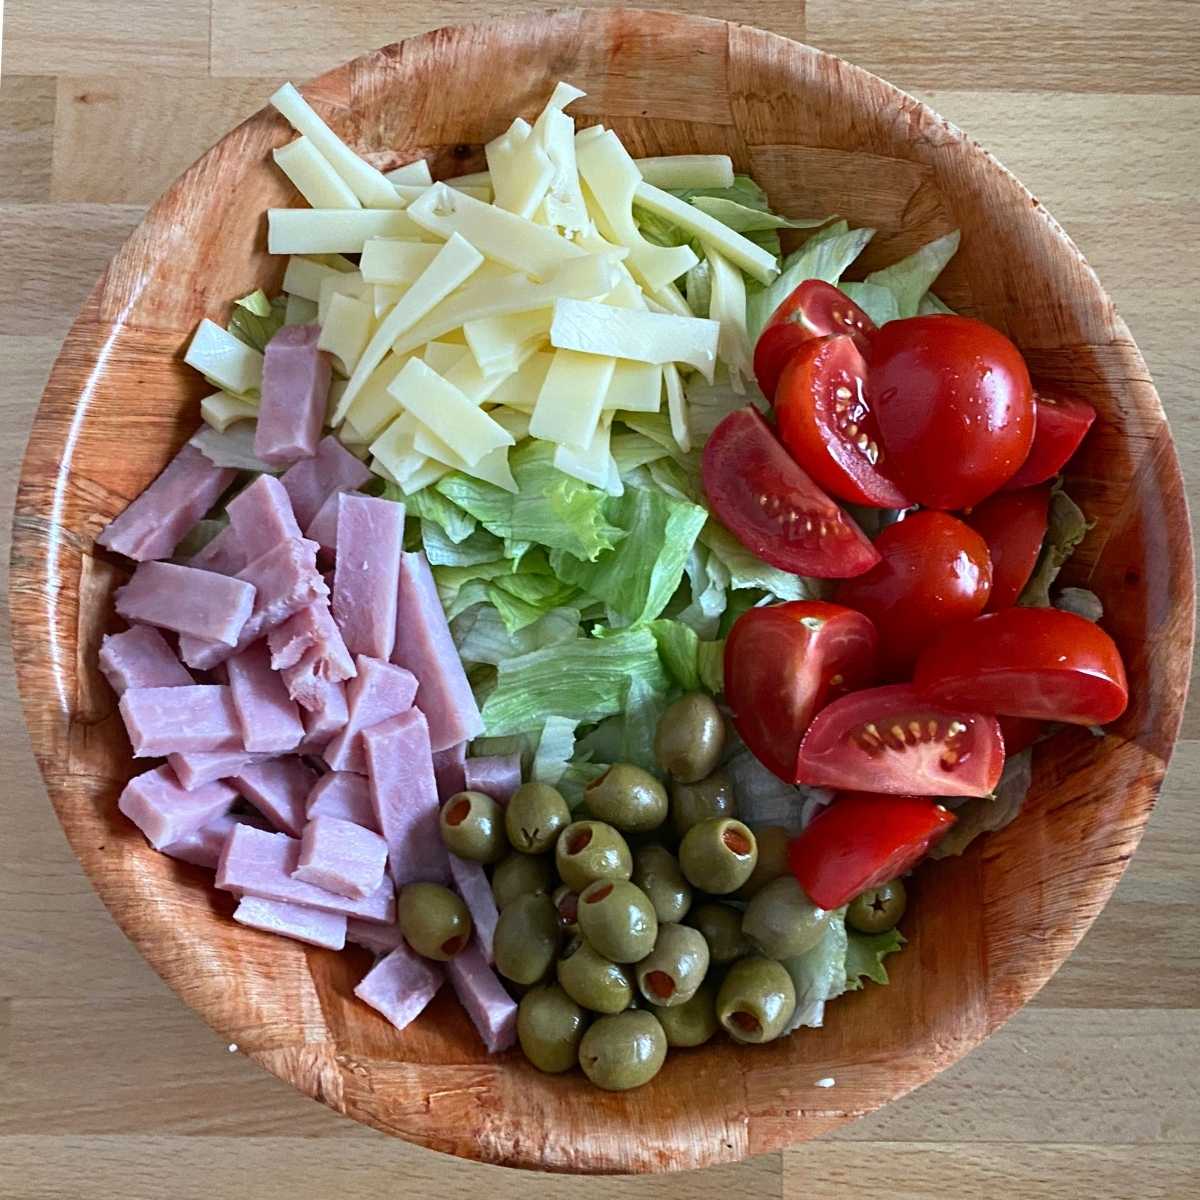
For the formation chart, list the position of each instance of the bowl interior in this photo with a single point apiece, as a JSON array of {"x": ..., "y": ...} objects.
[{"x": 986, "y": 930}]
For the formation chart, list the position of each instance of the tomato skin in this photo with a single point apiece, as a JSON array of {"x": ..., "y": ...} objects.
[
  {"x": 775, "y": 348},
  {"x": 954, "y": 406},
  {"x": 893, "y": 740},
  {"x": 1014, "y": 526},
  {"x": 862, "y": 840},
  {"x": 933, "y": 570},
  {"x": 1027, "y": 662},
  {"x": 783, "y": 662},
  {"x": 825, "y": 423},
  {"x": 1019, "y": 733},
  {"x": 760, "y": 494},
  {"x": 1060, "y": 425}
]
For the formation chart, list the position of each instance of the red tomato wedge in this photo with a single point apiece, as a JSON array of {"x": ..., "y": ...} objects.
[
  {"x": 933, "y": 571},
  {"x": 1027, "y": 662},
  {"x": 827, "y": 426},
  {"x": 1060, "y": 425},
  {"x": 775, "y": 348},
  {"x": 773, "y": 508},
  {"x": 782, "y": 664},
  {"x": 1014, "y": 526},
  {"x": 1019, "y": 733},
  {"x": 890, "y": 739},
  {"x": 862, "y": 840},
  {"x": 954, "y": 406}
]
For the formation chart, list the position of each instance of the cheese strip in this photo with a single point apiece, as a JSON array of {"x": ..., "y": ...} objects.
[
  {"x": 394, "y": 448},
  {"x": 413, "y": 172},
  {"x": 635, "y": 387},
  {"x": 337, "y": 230},
  {"x": 345, "y": 330},
  {"x": 727, "y": 306},
  {"x": 395, "y": 260},
  {"x": 564, "y": 205},
  {"x": 687, "y": 170},
  {"x": 474, "y": 384},
  {"x": 304, "y": 277},
  {"x": 299, "y": 311},
  {"x": 477, "y": 179},
  {"x": 428, "y": 473},
  {"x": 368, "y": 184},
  {"x": 493, "y": 468},
  {"x": 593, "y": 463},
  {"x": 520, "y": 169},
  {"x": 516, "y": 422},
  {"x": 589, "y": 134},
  {"x": 521, "y": 391},
  {"x": 337, "y": 284},
  {"x": 677, "y": 407},
  {"x": 568, "y": 406},
  {"x": 669, "y": 299},
  {"x": 313, "y": 177},
  {"x": 386, "y": 298},
  {"x": 593, "y": 328},
  {"x": 454, "y": 264},
  {"x": 375, "y": 407},
  {"x": 496, "y": 342},
  {"x": 220, "y": 410},
  {"x": 441, "y": 356},
  {"x": 444, "y": 410},
  {"x": 752, "y": 258},
  {"x": 227, "y": 361}
]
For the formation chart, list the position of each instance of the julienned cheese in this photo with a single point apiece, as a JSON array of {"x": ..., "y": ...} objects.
[
  {"x": 677, "y": 407},
  {"x": 728, "y": 307},
  {"x": 442, "y": 356},
  {"x": 336, "y": 230},
  {"x": 374, "y": 406},
  {"x": 345, "y": 330},
  {"x": 593, "y": 463},
  {"x": 226, "y": 360},
  {"x": 337, "y": 284},
  {"x": 304, "y": 276},
  {"x": 492, "y": 468},
  {"x": 386, "y": 298},
  {"x": 395, "y": 260},
  {"x": 521, "y": 390},
  {"x": 687, "y": 170},
  {"x": 314, "y": 178},
  {"x": 299, "y": 311},
  {"x": 635, "y": 387},
  {"x": 496, "y": 341},
  {"x": 221, "y": 410},
  {"x": 414, "y": 172},
  {"x": 429, "y": 472},
  {"x": 474, "y": 384},
  {"x": 520, "y": 168},
  {"x": 572, "y": 396}
]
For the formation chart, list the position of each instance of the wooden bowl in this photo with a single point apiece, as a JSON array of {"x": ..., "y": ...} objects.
[{"x": 987, "y": 929}]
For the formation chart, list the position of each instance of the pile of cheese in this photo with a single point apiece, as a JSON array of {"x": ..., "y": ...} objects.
[{"x": 518, "y": 302}]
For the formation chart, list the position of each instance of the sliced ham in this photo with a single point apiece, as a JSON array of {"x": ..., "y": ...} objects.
[
  {"x": 490, "y": 1007},
  {"x": 141, "y": 658},
  {"x": 344, "y": 795},
  {"x": 279, "y": 789},
  {"x": 295, "y": 394},
  {"x": 341, "y": 857},
  {"x": 165, "y": 812},
  {"x": 400, "y": 986},
  {"x": 449, "y": 769},
  {"x": 196, "y": 769},
  {"x": 224, "y": 554},
  {"x": 495, "y": 775},
  {"x": 261, "y": 514},
  {"x": 257, "y": 863},
  {"x": 269, "y": 719},
  {"x": 155, "y": 522},
  {"x": 310, "y": 482},
  {"x": 308, "y": 650},
  {"x": 378, "y": 692},
  {"x": 195, "y": 603},
  {"x": 203, "y": 848},
  {"x": 180, "y": 720},
  {"x": 404, "y": 793},
  {"x": 370, "y": 540},
  {"x": 425, "y": 647},
  {"x": 379, "y": 939},
  {"x": 472, "y": 885},
  {"x": 322, "y": 529},
  {"x": 297, "y": 921},
  {"x": 321, "y": 724}
]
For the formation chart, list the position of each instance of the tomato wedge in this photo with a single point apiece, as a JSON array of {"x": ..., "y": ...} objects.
[
  {"x": 827, "y": 426},
  {"x": 782, "y": 664},
  {"x": 893, "y": 740},
  {"x": 1019, "y": 733},
  {"x": 862, "y": 840},
  {"x": 1027, "y": 662},
  {"x": 933, "y": 570},
  {"x": 773, "y": 508},
  {"x": 1014, "y": 526},
  {"x": 1061, "y": 423}
]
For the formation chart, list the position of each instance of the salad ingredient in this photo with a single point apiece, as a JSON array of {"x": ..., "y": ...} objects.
[
  {"x": 225, "y": 360},
  {"x": 896, "y": 740},
  {"x": 334, "y": 230},
  {"x": 861, "y": 841},
  {"x": 670, "y": 974},
  {"x": 623, "y": 1051},
  {"x": 526, "y": 938},
  {"x": 1060, "y": 425},
  {"x": 933, "y": 571},
  {"x": 295, "y": 394},
  {"x": 472, "y": 826},
  {"x": 570, "y": 400},
  {"x": 693, "y": 1021},
  {"x": 1019, "y": 733},
  {"x": 692, "y": 803},
  {"x": 279, "y": 789},
  {"x": 471, "y": 882},
  {"x": 167, "y": 813},
  {"x": 718, "y": 856},
  {"x": 261, "y": 516},
  {"x": 782, "y": 921},
  {"x": 140, "y": 658},
  {"x": 721, "y": 927},
  {"x": 782, "y": 665},
  {"x": 267, "y": 715},
  {"x": 727, "y": 306},
  {"x": 591, "y": 850},
  {"x": 687, "y": 170},
  {"x": 690, "y": 739},
  {"x": 178, "y": 720},
  {"x": 756, "y": 1000},
  {"x": 492, "y": 1010},
  {"x": 590, "y": 979},
  {"x": 566, "y": 902},
  {"x": 293, "y": 920},
  {"x": 534, "y": 817},
  {"x": 954, "y": 407},
  {"x": 434, "y": 921},
  {"x": 380, "y": 940},
  {"x": 617, "y": 920},
  {"x": 326, "y": 718},
  {"x": 310, "y": 482},
  {"x": 519, "y": 875},
  {"x": 550, "y": 1027},
  {"x": 1028, "y": 662},
  {"x": 378, "y": 692},
  {"x": 187, "y": 601},
  {"x": 772, "y": 860},
  {"x": 657, "y": 872},
  {"x": 989, "y": 813},
  {"x": 342, "y": 857},
  {"x": 822, "y": 310},
  {"x": 627, "y": 798},
  {"x": 342, "y": 794},
  {"x": 308, "y": 652},
  {"x": 496, "y": 775},
  {"x": 1013, "y": 523},
  {"x": 388, "y": 261},
  {"x": 878, "y": 908},
  {"x": 400, "y": 985},
  {"x": 773, "y": 507},
  {"x": 1066, "y": 527},
  {"x": 194, "y": 770}
]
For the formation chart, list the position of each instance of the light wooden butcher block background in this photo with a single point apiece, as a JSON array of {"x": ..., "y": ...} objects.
[{"x": 111, "y": 1089}]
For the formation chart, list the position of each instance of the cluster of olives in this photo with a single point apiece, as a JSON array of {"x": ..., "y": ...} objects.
[{"x": 642, "y": 921}]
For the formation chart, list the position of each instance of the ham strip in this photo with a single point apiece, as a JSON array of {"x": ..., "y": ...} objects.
[
  {"x": 203, "y": 848},
  {"x": 322, "y": 529},
  {"x": 224, "y": 554},
  {"x": 195, "y": 603},
  {"x": 165, "y": 812},
  {"x": 476, "y": 892},
  {"x": 141, "y": 658},
  {"x": 261, "y": 516},
  {"x": 379, "y": 691},
  {"x": 323, "y": 723},
  {"x": 379, "y": 939},
  {"x": 180, "y": 720},
  {"x": 279, "y": 789},
  {"x": 295, "y": 394},
  {"x": 496, "y": 775},
  {"x": 341, "y": 857},
  {"x": 308, "y": 650},
  {"x": 449, "y": 768},
  {"x": 400, "y": 986},
  {"x": 490, "y": 1007},
  {"x": 370, "y": 539},
  {"x": 310, "y": 482},
  {"x": 269, "y": 719},
  {"x": 293, "y": 920},
  {"x": 198, "y": 768},
  {"x": 341, "y": 794}
]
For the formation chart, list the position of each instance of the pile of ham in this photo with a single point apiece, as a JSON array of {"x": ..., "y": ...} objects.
[{"x": 299, "y": 679}]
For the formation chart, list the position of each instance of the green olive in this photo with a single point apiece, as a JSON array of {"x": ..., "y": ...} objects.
[
  {"x": 772, "y": 860},
  {"x": 534, "y": 817},
  {"x": 623, "y": 1051},
  {"x": 756, "y": 1000},
  {"x": 690, "y": 738},
  {"x": 675, "y": 968},
  {"x": 566, "y": 903},
  {"x": 878, "y": 909},
  {"x": 592, "y": 980},
  {"x": 433, "y": 920},
  {"x": 526, "y": 938},
  {"x": 694, "y": 1021},
  {"x": 550, "y": 1026},
  {"x": 617, "y": 919},
  {"x": 722, "y": 930},
  {"x": 718, "y": 856},
  {"x": 472, "y": 826},
  {"x": 588, "y": 850},
  {"x": 519, "y": 874},
  {"x": 782, "y": 921},
  {"x": 628, "y": 798},
  {"x": 692, "y": 803},
  {"x": 656, "y": 871}
]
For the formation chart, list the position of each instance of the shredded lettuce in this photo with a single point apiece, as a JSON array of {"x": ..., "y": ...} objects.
[
  {"x": 819, "y": 974},
  {"x": 1082, "y": 602},
  {"x": 744, "y": 218},
  {"x": 697, "y": 287},
  {"x": 482, "y": 636},
  {"x": 576, "y": 777},
  {"x": 1065, "y": 529},
  {"x": 710, "y": 660},
  {"x": 442, "y": 551},
  {"x": 878, "y": 302},
  {"x": 234, "y": 447},
  {"x": 910, "y": 278},
  {"x": 631, "y": 449},
  {"x": 255, "y": 320},
  {"x": 679, "y": 648},
  {"x": 430, "y": 505},
  {"x": 765, "y": 799},
  {"x": 986, "y": 814},
  {"x": 555, "y": 748},
  {"x": 931, "y": 304},
  {"x": 865, "y": 953},
  {"x": 748, "y": 571},
  {"x": 710, "y": 403}
]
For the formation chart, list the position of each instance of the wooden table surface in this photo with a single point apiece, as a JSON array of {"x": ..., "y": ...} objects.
[{"x": 112, "y": 1088}]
